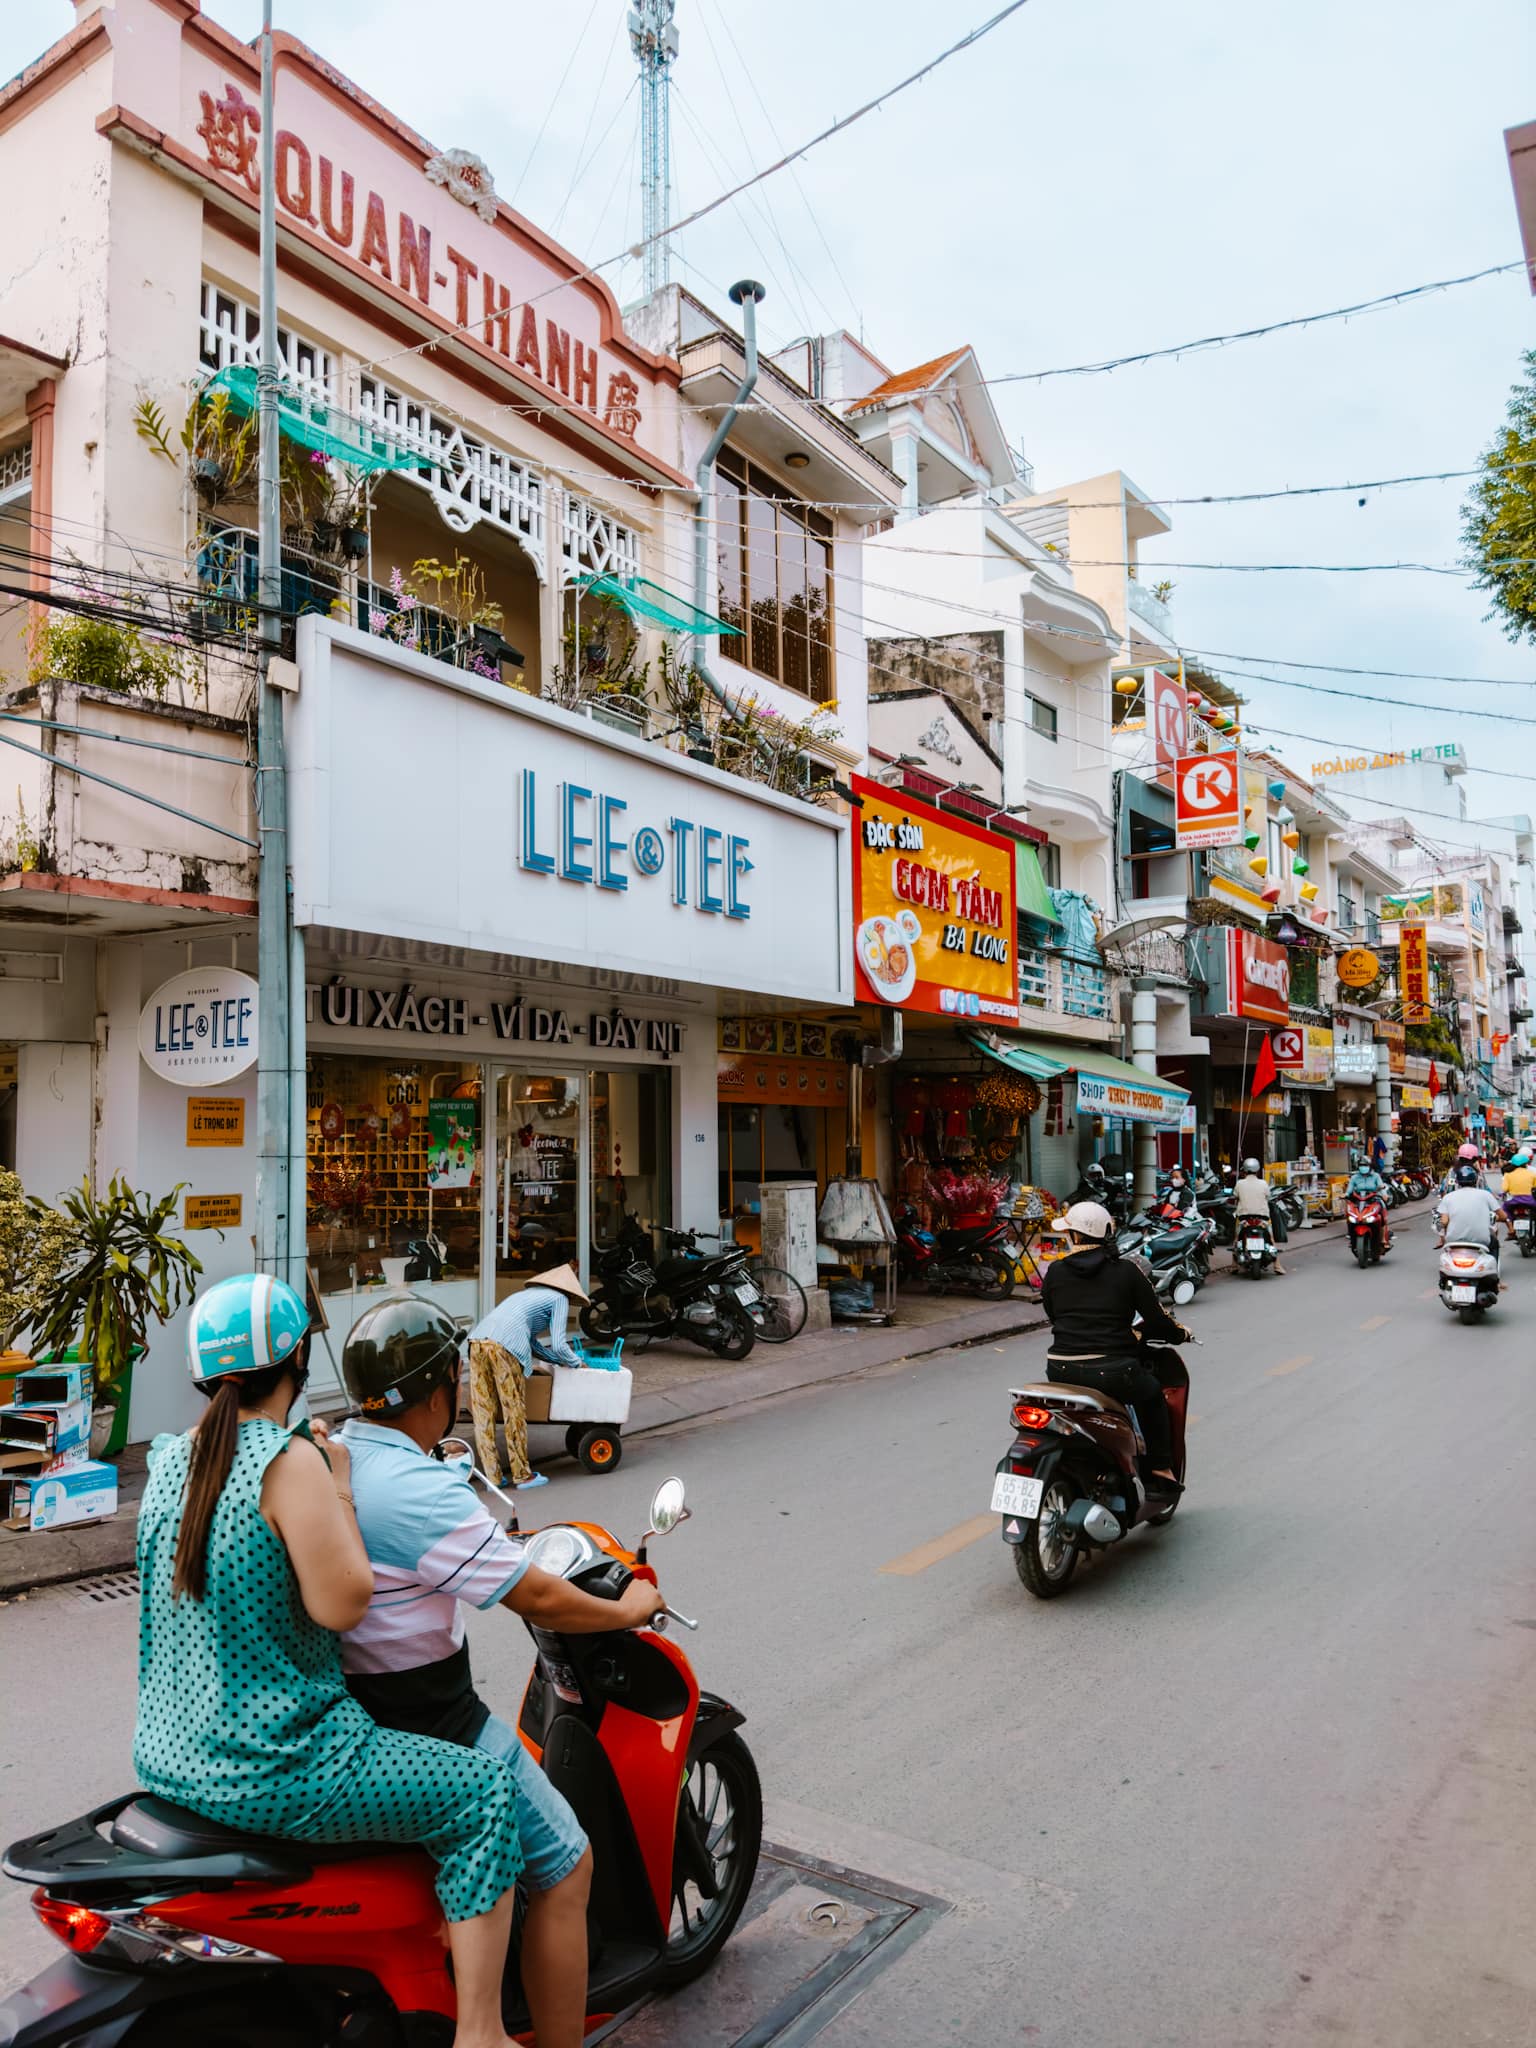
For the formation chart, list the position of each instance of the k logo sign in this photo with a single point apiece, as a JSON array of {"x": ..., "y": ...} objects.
[
  {"x": 1207, "y": 800},
  {"x": 1170, "y": 717}
]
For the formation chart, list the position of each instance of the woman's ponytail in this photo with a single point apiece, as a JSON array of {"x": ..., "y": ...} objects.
[{"x": 213, "y": 1452}]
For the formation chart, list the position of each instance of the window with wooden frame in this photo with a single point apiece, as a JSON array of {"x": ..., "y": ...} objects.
[{"x": 773, "y": 558}]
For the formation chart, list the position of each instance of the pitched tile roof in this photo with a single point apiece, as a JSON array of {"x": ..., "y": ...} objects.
[{"x": 923, "y": 378}]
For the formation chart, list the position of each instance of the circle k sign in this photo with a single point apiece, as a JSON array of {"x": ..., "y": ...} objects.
[{"x": 1207, "y": 800}]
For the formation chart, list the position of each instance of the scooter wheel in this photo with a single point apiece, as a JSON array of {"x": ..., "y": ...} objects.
[
  {"x": 1047, "y": 1558},
  {"x": 1470, "y": 1315},
  {"x": 1184, "y": 1291},
  {"x": 720, "y": 1817},
  {"x": 599, "y": 1449}
]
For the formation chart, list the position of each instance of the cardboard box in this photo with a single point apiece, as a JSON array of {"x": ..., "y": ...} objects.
[
  {"x": 64, "y": 1433},
  {"x": 52, "y": 1386},
  {"x": 82, "y": 1492}
]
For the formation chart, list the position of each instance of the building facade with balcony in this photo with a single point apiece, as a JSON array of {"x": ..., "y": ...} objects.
[{"x": 537, "y": 863}]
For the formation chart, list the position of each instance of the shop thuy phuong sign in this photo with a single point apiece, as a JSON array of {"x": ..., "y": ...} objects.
[
  {"x": 200, "y": 1026},
  {"x": 1129, "y": 1101},
  {"x": 935, "y": 917},
  {"x": 1258, "y": 978}
]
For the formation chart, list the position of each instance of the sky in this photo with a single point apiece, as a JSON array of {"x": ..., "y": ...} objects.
[{"x": 1096, "y": 177}]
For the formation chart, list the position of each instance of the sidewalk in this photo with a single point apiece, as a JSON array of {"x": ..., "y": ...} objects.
[{"x": 673, "y": 1384}]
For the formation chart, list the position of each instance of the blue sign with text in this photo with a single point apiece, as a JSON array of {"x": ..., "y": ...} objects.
[{"x": 584, "y": 835}]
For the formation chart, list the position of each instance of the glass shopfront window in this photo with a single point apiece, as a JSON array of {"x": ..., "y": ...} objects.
[{"x": 396, "y": 1174}]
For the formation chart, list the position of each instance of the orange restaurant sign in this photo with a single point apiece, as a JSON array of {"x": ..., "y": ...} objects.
[
  {"x": 745, "y": 1077},
  {"x": 934, "y": 911}
]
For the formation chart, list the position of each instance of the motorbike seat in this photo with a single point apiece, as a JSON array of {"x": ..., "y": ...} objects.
[
  {"x": 1063, "y": 1394},
  {"x": 156, "y": 1828}
]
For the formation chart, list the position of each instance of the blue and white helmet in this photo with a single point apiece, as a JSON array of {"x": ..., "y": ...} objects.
[{"x": 244, "y": 1324}]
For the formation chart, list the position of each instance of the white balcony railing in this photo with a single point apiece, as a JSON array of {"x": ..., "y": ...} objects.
[{"x": 1071, "y": 988}]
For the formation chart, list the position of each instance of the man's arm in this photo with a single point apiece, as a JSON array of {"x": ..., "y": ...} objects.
[{"x": 553, "y": 1603}]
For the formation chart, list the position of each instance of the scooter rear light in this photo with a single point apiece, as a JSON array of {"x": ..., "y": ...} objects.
[
  {"x": 1029, "y": 1417},
  {"x": 1462, "y": 1265},
  {"x": 77, "y": 1927}
]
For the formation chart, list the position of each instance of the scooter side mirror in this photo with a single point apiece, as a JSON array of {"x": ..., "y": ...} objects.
[{"x": 668, "y": 1508}]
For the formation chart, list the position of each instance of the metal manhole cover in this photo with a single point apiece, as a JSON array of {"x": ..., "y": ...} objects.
[
  {"x": 808, "y": 1943},
  {"x": 107, "y": 1586}
]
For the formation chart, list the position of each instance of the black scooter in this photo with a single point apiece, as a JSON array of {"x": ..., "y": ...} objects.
[{"x": 706, "y": 1297}]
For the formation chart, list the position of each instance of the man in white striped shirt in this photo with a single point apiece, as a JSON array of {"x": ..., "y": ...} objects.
[{"x": 434, "y": 1548}]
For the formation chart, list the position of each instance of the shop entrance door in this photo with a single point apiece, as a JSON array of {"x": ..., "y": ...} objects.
[{"x": 539, "y": 1218}]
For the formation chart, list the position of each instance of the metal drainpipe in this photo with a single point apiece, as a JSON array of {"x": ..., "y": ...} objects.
[
  {"x": 747, "y": 294},
  {"x": 1144, "y": 1055}
]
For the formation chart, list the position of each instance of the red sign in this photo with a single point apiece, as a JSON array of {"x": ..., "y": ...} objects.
[
  {"x": 1290, "y": 1046},
  {"x": 1207, "y": 800},
  {"x": 1413, "y": 972},
  {"x": 1168, "y": 714},
  {"x": 1258, "y": 978}
]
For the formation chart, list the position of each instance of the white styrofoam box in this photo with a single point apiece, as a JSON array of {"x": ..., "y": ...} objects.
[{"x": 587, "y": 1394}]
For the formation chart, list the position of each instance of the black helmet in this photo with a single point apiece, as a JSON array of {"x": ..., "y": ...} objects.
[
  {"x": 1467, "y": 1175},
  {"x": 398, "y": 1352}
]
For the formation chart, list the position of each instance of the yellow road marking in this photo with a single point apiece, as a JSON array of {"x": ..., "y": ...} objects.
[
  {"x": 1375, "y": 1322},
  {"x": 1290, "y": 1365},
  {"x": 944, "y": 1546}
]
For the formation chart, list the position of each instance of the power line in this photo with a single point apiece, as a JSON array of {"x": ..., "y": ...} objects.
[
  {"x": 552, "y": 102},
  {"x": 782, "y": 162},
  {"x": 1404, "y": 675}
]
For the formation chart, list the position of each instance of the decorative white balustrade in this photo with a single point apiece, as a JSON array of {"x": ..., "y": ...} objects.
[
  {"x": 15, "y": 472},
  {"x": 467, "y": 477},
  {"x": 1054, "y": 981}
]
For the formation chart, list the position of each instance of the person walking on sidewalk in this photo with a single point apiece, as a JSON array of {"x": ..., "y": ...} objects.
[{"x": 503, "y": 1347}]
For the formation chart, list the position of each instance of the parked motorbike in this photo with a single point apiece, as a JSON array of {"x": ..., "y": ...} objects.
[
  {"x": 184, "y": 1932},
  {"x": 1469, "y": 1279},
  {"x": 706, "y": 1297},
  {"x": 1254, "y": 1251},
  {"x": 1365, "y": 1219},
  {"x": 1173, "y": 1249},
  {"x": 980, "y": 1259},
  {"x": 1071, "y": 1482}
]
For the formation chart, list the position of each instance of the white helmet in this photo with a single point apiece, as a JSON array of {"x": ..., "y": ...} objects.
[
  {"x": 1085, "y": 1219},
  {"x": 1250, "y": 1166}
]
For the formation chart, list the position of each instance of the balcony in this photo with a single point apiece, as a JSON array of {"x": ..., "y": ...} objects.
[
  {"x": 1511, "y": 920},
  {"x": 1151, "y": 611},
  {"x": 1055, "y": 984}
]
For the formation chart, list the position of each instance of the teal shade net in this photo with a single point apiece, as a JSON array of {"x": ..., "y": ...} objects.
[
  {"x": 313, "y": 425},
  {"x": 675, "y": 613},
  {"x": 1030, "y": 884}
]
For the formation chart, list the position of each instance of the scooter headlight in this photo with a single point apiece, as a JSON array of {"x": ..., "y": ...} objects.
[{"x": 562, "y": 1551}]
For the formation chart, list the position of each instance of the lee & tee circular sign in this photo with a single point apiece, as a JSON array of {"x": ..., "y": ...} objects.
[{"x": 200, "y": 1026}]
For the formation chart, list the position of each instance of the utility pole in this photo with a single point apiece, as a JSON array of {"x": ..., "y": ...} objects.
[
  {"x": 275, "y": 1192},
  {"x": 653, "y": 38}
]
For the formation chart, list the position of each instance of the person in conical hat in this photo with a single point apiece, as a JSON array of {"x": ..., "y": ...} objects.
[{"x": 503, "y": 1347}]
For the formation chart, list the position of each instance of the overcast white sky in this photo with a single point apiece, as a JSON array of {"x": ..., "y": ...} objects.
[{"x": 1097, "y": 177}]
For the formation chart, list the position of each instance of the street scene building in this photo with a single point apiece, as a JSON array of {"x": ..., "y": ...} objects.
[{"x": 638, "y": 852}]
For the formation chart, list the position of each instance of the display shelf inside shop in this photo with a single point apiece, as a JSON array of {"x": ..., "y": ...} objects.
[{"x": 391, "y": 1204}]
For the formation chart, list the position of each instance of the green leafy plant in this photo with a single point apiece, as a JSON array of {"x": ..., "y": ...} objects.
[
  {"x": 106, "y": 654},
  {"x": 21, "y": 849},
  {"x": 34, "y": 1243},
  {"x": 121, "y": 1271},
  {"x": 600, "y": 660},
  {"x": 1163, "y": 589},
  {"x": 1498, "y": 524}
]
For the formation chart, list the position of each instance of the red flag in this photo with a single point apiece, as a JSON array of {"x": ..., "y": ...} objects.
[
  {"x": 1434, "y": 1079},
  {"x": 1265, "y": 1070}
]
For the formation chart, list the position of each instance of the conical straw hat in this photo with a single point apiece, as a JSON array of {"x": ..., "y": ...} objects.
[{"x": 562, "y": 1280}]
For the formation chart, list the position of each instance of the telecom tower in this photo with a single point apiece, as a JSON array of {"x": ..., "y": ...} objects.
[{"x": 653, "y": 38}]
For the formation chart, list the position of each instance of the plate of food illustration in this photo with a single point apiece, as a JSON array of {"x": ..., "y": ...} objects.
[{"x": 886, "y": 948}]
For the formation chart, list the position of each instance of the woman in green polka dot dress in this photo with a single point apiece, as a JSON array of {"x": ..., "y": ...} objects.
[{"x": 251, "y": 1565}]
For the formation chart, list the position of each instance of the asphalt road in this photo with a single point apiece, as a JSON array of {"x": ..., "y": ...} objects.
[{"x": 1262, "y": 1777}]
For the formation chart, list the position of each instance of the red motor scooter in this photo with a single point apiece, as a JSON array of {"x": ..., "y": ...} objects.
[
  {"x": 1366, "y": 1221},
  {"x": 185, "y": 1934}
]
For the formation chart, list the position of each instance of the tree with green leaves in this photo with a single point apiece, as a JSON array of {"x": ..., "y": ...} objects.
[{"x": 1498, "y": 525}]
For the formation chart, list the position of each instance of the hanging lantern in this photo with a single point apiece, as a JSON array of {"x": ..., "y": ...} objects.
[
  {"x": 1259, "y": 864},
  {"x": 1193, "y": 699},
  {"x": 1285, "y": 815},
  {"x": 1300, "y": 867},
  {"x": 1291, "y": 839},
  {"x": 1251, "y": 841},
  {"x": 1272, "y": 893},
  {"x": 1309, "y": 892},
  {"x": 1127, "y": 686},
  {"x": 1276, "y": 790}
]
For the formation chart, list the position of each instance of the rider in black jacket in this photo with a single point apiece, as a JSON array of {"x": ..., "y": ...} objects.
[{"x": 1092, "y": 1298}]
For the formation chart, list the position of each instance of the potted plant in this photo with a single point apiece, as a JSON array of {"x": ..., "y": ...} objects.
[
  {"x": 33, "y": 1242},
  {"x": 121, "y": 1270},
  {"x": 354, "y": 543}
]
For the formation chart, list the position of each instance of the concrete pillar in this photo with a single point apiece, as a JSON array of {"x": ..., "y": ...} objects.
[
  {"x": 1144, "y": 1055},
  {"x": 552, "y": 589},
  {"x": 1384, "y": 1097}
]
